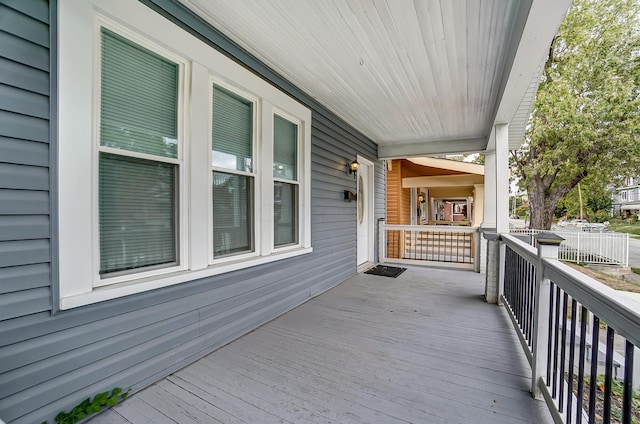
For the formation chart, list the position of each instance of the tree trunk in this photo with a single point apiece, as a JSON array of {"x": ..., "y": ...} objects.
[
  {"x": 542, "y": 203},
  {"x": 541, "y": 214}
]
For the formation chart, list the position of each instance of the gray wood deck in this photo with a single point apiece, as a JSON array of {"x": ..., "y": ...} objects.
[{"x": 421, "y": 348}]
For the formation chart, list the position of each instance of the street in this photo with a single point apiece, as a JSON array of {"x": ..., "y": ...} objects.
[{"x": 634, "y": 252}]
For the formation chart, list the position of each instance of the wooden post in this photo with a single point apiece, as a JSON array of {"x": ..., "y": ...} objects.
[{"x": 548, "y": 244}]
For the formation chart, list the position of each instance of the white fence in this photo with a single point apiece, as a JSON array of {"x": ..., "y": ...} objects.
[{"x": 579, "y": 246}]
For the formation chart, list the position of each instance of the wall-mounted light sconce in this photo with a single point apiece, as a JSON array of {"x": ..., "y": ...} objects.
[
  {"x": 349, "y": 195},
  {"x": 352, "y": 168},
  {"x": 420, "y": 198}
]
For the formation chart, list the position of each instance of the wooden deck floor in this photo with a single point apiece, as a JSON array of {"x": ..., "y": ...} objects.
[{"x": 422, "y": 348}]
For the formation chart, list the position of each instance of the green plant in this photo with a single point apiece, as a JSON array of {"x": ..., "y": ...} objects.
[{"x": 91, "y": 406}]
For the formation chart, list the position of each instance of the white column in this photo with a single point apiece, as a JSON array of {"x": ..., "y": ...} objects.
[
  {"x": 489, "y": 203},
  {"x": 426, "y": 205},
  {"x": 496, "y": 182},
  {"x": 502, "y": 178},
  {"x": 414, "y": 218},
  {"x": 478, "y": 204},
  {"x": 496, "y": 208}
]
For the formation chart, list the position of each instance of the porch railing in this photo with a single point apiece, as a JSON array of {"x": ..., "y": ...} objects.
[
  {"x": 580, "y": 336},
  {"x": 430, "y": 244},
  {"x": 609, "y": 248}
]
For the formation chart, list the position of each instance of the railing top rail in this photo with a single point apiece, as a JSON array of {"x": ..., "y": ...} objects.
[
  {"x": 528, "y": 252},
  {"x": 621, "y": 313},
  {"x": 578, "y": 231},
  {"x": 431, "y": 228}
]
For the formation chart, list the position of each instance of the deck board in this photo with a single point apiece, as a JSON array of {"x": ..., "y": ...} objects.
[{"x": 421, "y": 348}]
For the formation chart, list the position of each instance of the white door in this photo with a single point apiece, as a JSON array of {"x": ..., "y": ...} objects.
[{"x": 365, "y": 218}]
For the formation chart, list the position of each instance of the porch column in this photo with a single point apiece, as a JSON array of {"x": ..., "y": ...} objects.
[
  {"x": 496, "y": 207},
  {"x": 496, "y": 182},
  {"x": 478, "y": 204},
  {"x": 478, "y": 212}
]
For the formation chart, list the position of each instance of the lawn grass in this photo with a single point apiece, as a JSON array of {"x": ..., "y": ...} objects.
[
  {"x": 606, "y": 279},
  {"x": 631, "y": 226}
]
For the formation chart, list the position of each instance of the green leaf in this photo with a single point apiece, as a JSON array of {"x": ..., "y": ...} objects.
[
  {"x": 93, "y": 408},
  {"x": 101, "y": 397}
]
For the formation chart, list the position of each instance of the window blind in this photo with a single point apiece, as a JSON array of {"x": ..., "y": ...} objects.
[
  {"x": 285, "y": 217},
  {"x": 232, "y": 131},
  {"x": 232, "y": 149},
  {"x": 137, "y": 197},
  {"x": 285, "y": 149},
  {"x": 232, "y": 213},
  {"x": 285, "y": 166},
  {"x": 139, "y": 98},
  {"x": 137, "y": 206}
]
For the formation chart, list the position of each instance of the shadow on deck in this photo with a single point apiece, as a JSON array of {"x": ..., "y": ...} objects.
[{"x": 421, "y": 348}]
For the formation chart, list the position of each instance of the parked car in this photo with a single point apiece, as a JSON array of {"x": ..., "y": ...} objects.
[
  {"x": 595, "y": 226},
  {"x": 579, "y": 222},
  {"x": 514, "y": 216},
  {"x": 562, "y": 223}
]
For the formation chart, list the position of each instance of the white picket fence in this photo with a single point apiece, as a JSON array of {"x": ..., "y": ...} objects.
[{"x": 606, "y": 247}]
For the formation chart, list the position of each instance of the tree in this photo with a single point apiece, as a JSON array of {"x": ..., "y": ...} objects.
[
  {"x": 587, "y": 111},
  {"x": 597, "y": 201}
]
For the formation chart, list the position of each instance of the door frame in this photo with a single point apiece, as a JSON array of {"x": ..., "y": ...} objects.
[{"x": 370, "y": 205}]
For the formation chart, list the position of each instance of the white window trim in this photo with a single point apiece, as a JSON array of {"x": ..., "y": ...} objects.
[
  {"x": 78, "y": 70},
  {"x": 183, "y": 81}
]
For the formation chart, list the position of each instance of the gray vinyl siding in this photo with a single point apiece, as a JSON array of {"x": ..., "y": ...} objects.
[
  {"x": 25, "y": 249},
  {"x": 51, "y": 360}
]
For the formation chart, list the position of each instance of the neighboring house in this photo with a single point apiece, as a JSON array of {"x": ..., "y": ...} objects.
[
  {"x": 626, "y": 199},
  {"x": 434, "y": 191},
  {"x": 165, "y": 190}
]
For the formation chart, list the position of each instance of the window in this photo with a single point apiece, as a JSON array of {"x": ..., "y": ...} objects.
[
  {"x": 138, "y": 158},
  {"x": 285, "y": 175},
  {"x": 233, "y": 177},
  {"x": 175, "y": 163}
]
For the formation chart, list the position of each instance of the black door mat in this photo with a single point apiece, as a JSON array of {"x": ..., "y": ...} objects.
[{"x": 386, "y": 271}]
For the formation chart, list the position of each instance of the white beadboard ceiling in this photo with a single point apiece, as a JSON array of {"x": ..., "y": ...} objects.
[{"x": 418, "y": 77}]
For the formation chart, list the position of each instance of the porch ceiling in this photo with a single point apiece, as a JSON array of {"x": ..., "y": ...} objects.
[{"x": 419, "y": 78}]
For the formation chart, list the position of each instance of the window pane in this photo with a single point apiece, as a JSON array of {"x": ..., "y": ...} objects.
[
  {"x": 137, "y": 205},
  {"x": 139, "y": 98},
  {"x": 285, "y": 218},
  {"x": 232, "y": 213},
  {"x": 285, "y": 149},
  {"x": 232, "y": 131}
]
